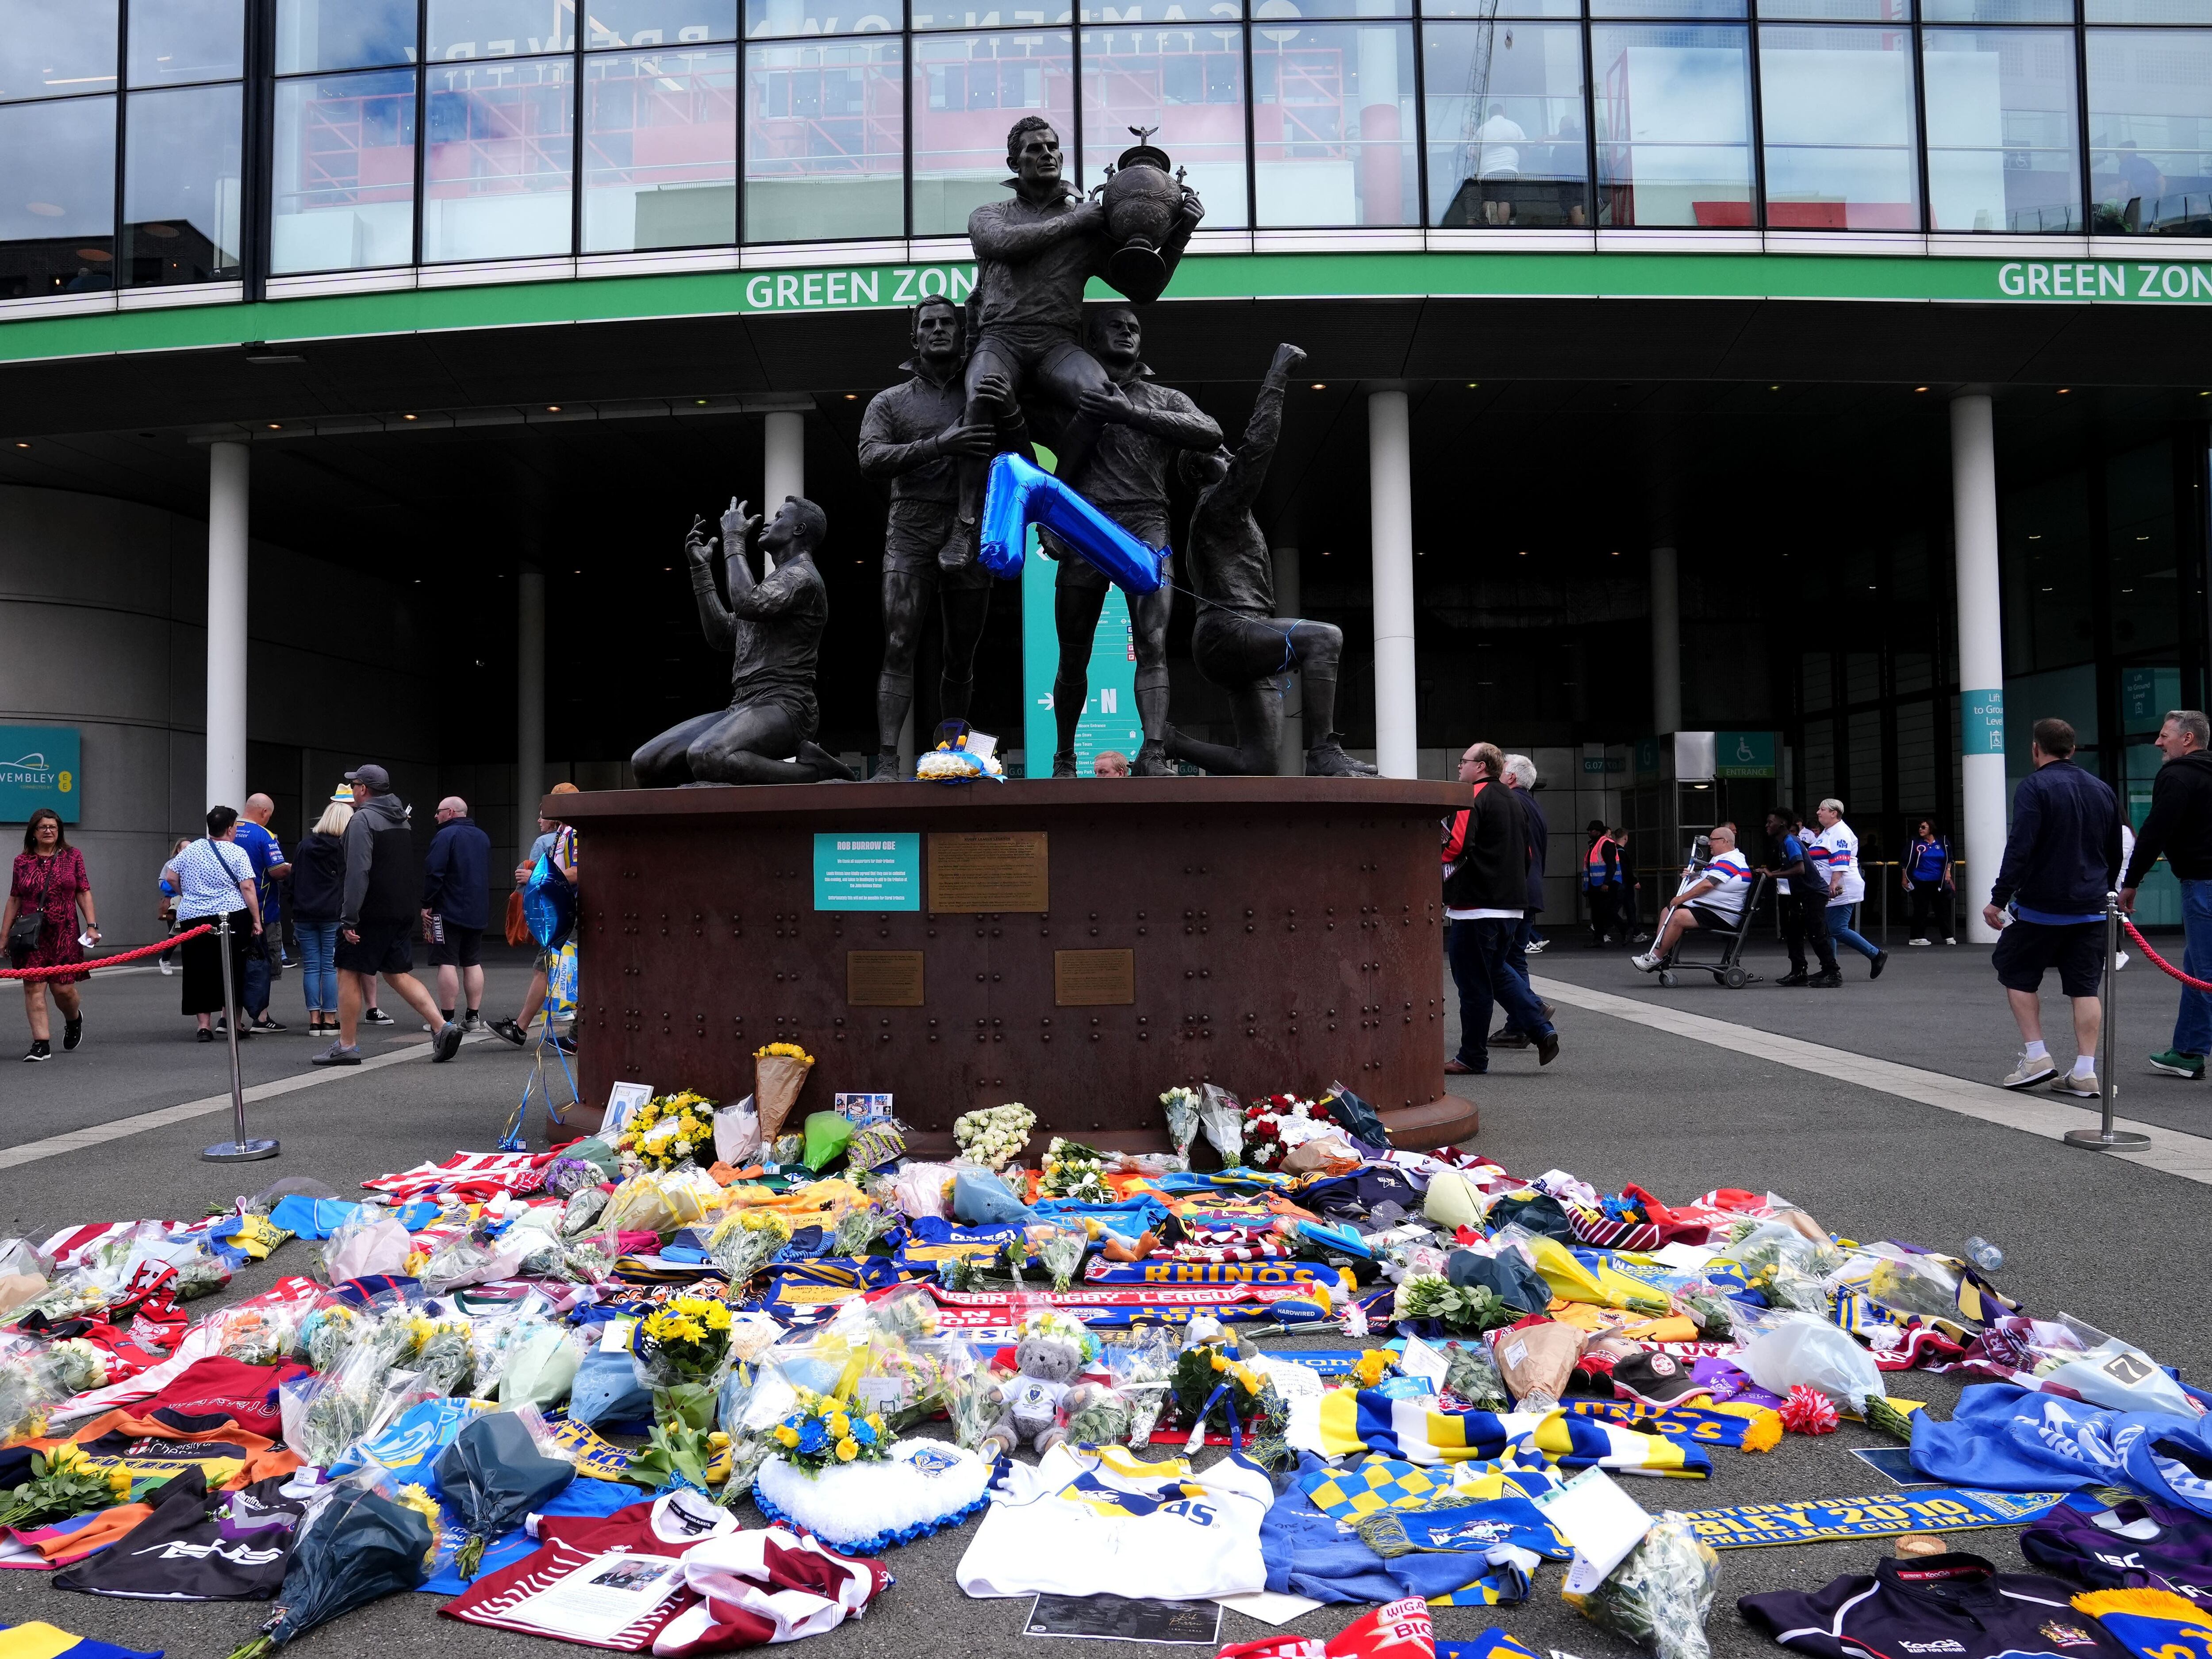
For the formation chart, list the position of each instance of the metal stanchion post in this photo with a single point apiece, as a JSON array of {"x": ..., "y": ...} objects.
[
  {"x": 237, "y": 1149},
  {"x": 2104, "y": 1137}
]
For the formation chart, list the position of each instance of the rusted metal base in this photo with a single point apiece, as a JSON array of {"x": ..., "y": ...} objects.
[{"x": 1281, "y": 934}]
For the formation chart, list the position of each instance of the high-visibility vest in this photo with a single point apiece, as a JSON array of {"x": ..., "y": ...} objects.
[{"x": 1594, "y": 873}]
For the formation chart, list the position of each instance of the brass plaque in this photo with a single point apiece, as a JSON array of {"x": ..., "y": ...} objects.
[
  {"x": 1093, "y": 979},
  {"x": 883, "y": 979},
  {"x": 1008, "y": 870}
]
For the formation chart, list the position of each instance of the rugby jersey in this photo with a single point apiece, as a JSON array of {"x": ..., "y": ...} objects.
[
  {"x": 1099, "y": 1520},
  {"x": 1731, "y": 876},
  {"x": 1933, "y": 1607},
  {"x": 2136, "y": 1545}
]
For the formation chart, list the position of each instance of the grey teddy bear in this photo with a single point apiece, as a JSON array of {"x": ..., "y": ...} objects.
[{"x": 1039, "y": 1400}]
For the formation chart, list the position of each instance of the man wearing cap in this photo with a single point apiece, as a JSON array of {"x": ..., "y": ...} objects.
[{"x": 378, "y": 916}]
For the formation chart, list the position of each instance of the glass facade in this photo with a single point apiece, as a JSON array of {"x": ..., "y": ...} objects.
[
  {"x": 74, "y": 222},
  {"x": 430, "y": 132}
]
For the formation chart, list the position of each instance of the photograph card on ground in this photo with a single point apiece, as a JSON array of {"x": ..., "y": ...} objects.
[{"x": 1126, "y": 1619}]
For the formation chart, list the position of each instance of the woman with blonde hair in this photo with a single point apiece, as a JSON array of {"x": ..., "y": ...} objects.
[{"x": 318, "y": 896}]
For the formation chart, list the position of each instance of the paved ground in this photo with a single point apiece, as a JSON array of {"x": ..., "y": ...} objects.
[{"x": 2106, "y": 1241}]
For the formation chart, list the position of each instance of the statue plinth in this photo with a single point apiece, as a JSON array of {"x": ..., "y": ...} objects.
[{"x": 1099, "y": 941}]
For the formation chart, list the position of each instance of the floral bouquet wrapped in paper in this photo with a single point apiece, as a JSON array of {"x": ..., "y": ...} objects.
[
  {"x": 744, "y": 1241},
  {"x": 779, "y": 1073},
  {"x": 1075, "y": 1172},
  {"x": 1221, "y": 1114},
  {"x": 680, "y": 1349},
  {"x": 671, "y": 1129},
  {"x": 993, "y": 1135},
  {"x": 1181, "y": 1105},
  {"x": 1062, "y": 1252},
  {"x": 31, "y": 1386}
]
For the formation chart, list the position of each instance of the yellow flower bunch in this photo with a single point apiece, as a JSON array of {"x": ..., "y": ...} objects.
[
  {"x": 1374, "y": 1365},
  {"x": 823, "y": 1432},
  {"x": 670, "y": 1129},
  {"x": 684, "y": 1340},
  {"x": 788, "y": 1050},
  {"x": 418, "y": 1499}
]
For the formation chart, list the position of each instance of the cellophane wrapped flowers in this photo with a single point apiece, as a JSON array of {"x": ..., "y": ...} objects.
[
  {"x": 993, "y": 1135},
  {"x": 745, "y": 1241},
  {"x": 1181, "y": 1108},
  {"x": 1075, "y": 1172},
  {"x": 680, "y": 1349},
  {"x": 672, "y": 1129}
]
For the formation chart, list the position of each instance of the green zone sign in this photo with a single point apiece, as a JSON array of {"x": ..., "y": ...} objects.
[{"x": 834, "y": 286}]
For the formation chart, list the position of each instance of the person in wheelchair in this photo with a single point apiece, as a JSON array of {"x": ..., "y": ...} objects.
[{"x": 1713, "y": 901}]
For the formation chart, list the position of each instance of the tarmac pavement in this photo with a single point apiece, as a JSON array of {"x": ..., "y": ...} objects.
[{"x": 2110, "y": 1243}]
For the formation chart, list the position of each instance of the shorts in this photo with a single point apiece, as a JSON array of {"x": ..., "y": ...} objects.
[
  {"x": 2025, "y": 949},
  {"x": 1231, "y": 648},
  {"x": 1714, "y": 921},
  {"x": 1079, "y": 573},
  {"x": 1022, "y": 351},
  {"x": 386, "y": 947},
  {"x": 463, "y": 947},
  {"x": 918, "y": 530}
]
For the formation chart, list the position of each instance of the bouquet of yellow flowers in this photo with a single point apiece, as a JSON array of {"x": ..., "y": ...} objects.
[
  {"x": 671, "y": 1129},
  {"x": 744, "y": 1241},
  {"x": 822, "y": 1434},
  {"x": 779, "y": 1073},
  {"x": 679, "y": 1349}
]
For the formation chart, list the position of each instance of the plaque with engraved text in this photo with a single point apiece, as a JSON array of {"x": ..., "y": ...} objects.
[
  {"x": 1093, "y": 979},
  {"x": 883, "y": 979},
  {"x": 1009, "y": 871}
]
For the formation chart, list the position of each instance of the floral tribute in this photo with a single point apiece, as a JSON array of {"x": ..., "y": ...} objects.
[
  {"x": 822, "y": 1434},
  {"x": 672, "y": 1129}
]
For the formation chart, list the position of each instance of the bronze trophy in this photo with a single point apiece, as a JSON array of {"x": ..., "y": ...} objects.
[{"x": 1142, "y": 202}]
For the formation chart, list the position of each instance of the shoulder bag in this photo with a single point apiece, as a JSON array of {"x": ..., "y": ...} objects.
[{"x": 29, "y": 930}]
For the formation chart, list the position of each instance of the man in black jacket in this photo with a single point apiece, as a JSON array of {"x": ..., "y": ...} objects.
[
  {"x": 2061, "y": 858},
  {"x": 456, "y": 906},
  {"x": 378, "y": 916},
  {"x": 1485, "y": 868},
  {"x": 2180, "y": 826}
]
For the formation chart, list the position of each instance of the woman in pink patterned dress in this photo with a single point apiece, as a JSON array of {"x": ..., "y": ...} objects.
[{"x": 49, "y": 881}]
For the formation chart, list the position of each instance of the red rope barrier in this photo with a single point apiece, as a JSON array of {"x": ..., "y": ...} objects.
[
  {"x": 2193, "y": 984},
  {"x": 69, "y": 969}
]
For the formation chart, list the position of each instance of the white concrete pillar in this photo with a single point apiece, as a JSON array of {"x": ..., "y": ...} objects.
[
  {"x": 1290, "y": 746},
  {"x": 1666, "y": 642},
  {"x": 784, "y": 470},
  {"x": 1981, "y": 651},
  {"x": 1390, "y": 535},
  {"x": 529, "y": 705},
  {"x": 229, "y": 469}
]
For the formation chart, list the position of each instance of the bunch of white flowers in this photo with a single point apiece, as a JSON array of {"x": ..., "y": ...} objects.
[{"x": 993, "y": 1135}]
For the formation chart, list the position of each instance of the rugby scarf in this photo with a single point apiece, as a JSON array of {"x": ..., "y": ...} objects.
[
  {"x": 1113, "y": 1306},
  {"x": 1157, "y": 1270},
  {"x": 1492, "y": 1643},
  {"x": 1381, "y": 1483},
  {"x": 1747, "y": 1427},
  {"x": 1941, "y": 1509},
  {"x": 1398, "y": 1629},
  {"x": 2155, "y": 1623},
  {"x": 1371, "y": 1420}
]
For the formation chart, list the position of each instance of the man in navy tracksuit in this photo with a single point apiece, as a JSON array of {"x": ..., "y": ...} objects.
[{"x": 2061, "y": 859}]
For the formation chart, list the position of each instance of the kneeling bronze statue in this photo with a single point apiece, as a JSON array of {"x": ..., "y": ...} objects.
[{"x": 773, "y": 629}]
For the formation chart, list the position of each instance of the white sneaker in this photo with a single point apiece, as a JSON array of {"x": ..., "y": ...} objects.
[
  {"x": 2074, "y": 1083},
  {"x": 2119, "y": 962},
  {"x": 1950, "y": 941},
  {"x": 2029, "y": 1072},
  {"x": 1645, "y": 963},
  {"x": 1920, "y": 941},
  {"x": 168, "y": 969}
]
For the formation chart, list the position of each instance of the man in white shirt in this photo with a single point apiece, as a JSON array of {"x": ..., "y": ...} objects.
[
  {"x": 1713, "y": 901},
  {"x": 1838, "y": 845}
]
